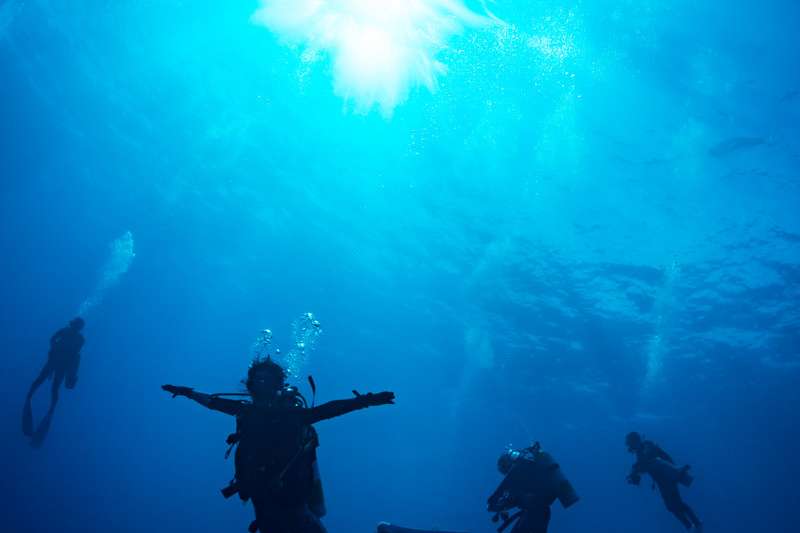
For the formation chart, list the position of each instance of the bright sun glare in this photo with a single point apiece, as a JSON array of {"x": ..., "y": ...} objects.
[{"x": 380, "y": 49}]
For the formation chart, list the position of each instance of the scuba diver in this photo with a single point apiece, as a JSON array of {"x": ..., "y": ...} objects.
[
  {"x": 275, "y": 459},
  {"x": 62, "y": 365},
  {"x": 652, "y": 460},
  {"x": 533, "y": 481}
]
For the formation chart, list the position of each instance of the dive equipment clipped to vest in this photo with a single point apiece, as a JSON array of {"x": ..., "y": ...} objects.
[{"x": 288, "y": 397}]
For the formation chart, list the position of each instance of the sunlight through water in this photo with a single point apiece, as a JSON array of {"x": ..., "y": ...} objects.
[{"x": 380, "y": 51}]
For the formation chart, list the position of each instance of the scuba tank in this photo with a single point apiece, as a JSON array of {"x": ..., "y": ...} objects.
[
  {"x": 662, "y": 471},
  {"x": 288, "y": 397},
  {"x": 560, "y": 485},
  {"x": 555, "y": 482}
]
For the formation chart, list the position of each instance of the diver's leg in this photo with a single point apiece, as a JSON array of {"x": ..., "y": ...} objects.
[
  {"x": 272, "y": 517},
  {"x": 27, "y": 410},
  {"x": 301, "y": 520},
  {"x": 682, "y": 518},
  {"x": 37, "y": 439},
  {"x": 312, "y": 523},
  {"x": 672, "y": 500},
  {"x": 523, "y": 524},
  {"x": 27, "y": 418},
  {"x": 58, "y": 378},
  {"x": 544, "y": 521},
  {"x": 47, "y": 369},
  {"x": 533, "y": 521},
  {"x": 44, "y": 425},
  {"x": 263, "y": 514},
  {"x": 689, "y": 512}
]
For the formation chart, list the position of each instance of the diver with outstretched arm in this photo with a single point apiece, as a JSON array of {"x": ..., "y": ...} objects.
[
  {"x": 63, "y": 362},
  {"x": 652, "y": 460},
  {"x": 310, "y": 415},
  {"x": 275, "y": 441}
]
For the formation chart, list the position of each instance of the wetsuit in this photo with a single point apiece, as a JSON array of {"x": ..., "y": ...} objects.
[
  {"x": 525, "y": 487},
  {"x": 276, "y": 456},
  {"x": 62, "y": 362},
  {"x": 648, "y": 461},
  {"x": 62, "y": 367}
]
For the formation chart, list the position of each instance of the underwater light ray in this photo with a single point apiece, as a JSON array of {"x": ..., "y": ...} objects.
[{"x": 380, "y": 50}]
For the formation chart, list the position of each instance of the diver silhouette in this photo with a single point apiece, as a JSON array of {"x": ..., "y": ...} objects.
[
  {"x": 275, "y": 459},
  {"x": 62, "y": 365},
  {"x": 652, "y": 460},
  {"x": 533, "y": 481}
]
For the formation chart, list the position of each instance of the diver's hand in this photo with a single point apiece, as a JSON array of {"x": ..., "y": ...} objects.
[
  {"x": 177, "y": 390},
  {"x": 497, "y": 504},
  {"x": 371, "y": 399},
  {"x": 634, "y": 479}
]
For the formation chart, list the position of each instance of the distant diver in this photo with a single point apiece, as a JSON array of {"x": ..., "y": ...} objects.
[
  {"x": 62, "y": 365},
  {"x": 275, "y": 441},
  {"x": 533, "y": 481},
  {"x": 652, "y": 460}
]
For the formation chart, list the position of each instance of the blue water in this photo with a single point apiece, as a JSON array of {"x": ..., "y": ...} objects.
[{"x": 588, "y": 226}]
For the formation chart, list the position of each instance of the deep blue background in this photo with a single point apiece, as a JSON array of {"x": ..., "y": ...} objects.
[{"x": 564, "y": 243}]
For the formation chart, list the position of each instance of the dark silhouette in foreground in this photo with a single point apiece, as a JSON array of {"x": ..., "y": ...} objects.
[
  {"x": 275, "y": 441},
  {"x": 62, "y": 365},
  {"x": 652, "y": 460},
  {"x": 533, "y": 481}
]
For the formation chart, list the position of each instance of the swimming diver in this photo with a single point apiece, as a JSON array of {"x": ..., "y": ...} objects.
[
  {"x": 62, "y": 365},
  {"x": 532, "y": 482},
  {"x": 652, "y": 460},
  {"x": 275, "y": 459}
]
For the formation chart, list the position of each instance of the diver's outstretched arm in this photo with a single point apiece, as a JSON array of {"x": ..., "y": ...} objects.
[
  {"x": 342, "y": 407},
  {"x": 223, "y": 405},
  {"x": 41, "y": 378}
]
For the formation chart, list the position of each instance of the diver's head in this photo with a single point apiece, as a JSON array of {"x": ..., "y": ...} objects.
[
  {"x": 265, "y": 378},
  {"x": 506, "y": 461},
  {"x": 633, "y": 441},
  {"x": 77, "y": 323}
]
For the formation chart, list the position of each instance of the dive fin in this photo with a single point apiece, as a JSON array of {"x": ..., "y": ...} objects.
[
  {"x": 27, "y": 419},
  {"x": 42, "y": 430}
]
